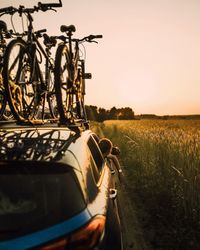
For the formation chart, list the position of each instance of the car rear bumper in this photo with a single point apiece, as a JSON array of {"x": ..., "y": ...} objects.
[{"x": 44, "y": 236}]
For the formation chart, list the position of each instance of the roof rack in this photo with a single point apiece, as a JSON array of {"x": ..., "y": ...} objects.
[{"x": 76, "y": 126}]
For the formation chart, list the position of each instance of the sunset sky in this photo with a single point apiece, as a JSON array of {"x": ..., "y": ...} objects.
[{"x": 149, "y": 57}]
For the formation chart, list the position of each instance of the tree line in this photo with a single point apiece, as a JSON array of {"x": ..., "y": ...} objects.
[{"x": 101, "y": 114}]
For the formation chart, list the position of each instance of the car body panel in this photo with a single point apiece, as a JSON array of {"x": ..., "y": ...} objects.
[{"x": 55, "y": 148}]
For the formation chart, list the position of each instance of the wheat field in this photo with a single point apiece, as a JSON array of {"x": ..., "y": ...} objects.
[{"x": 162, "y": 161}]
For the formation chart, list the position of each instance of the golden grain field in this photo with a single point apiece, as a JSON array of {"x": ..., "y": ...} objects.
[{"x": 162, "y": 157}]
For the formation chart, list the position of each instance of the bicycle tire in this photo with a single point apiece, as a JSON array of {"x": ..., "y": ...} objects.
[
  {"x": 20, "y": 81},
  {"x": 2, "y": 97},
  {"x": 51, "y": 97},
  {"x": 80, "y": 93},
  {"x": 5, "y": 112},
  {"x": 64, "y": 92}
]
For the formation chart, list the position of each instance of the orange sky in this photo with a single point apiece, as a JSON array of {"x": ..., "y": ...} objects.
[{"x": 149, "y": 57}]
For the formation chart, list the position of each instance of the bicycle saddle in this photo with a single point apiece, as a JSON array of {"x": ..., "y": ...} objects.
[
  {"x": 3, "y": 26},
  {"x": 70, "y": 28}
]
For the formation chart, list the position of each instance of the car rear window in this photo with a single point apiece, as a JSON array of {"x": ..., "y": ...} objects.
[{"x": 34, "y": 198}]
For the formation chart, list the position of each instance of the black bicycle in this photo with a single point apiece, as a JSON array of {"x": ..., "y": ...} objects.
[
  {"x": 70, "y": 76},
  {"x": 5, "y": 112},
  {"x": 31, "y": 95}
]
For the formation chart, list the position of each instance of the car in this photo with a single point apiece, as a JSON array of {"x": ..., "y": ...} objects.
[{"x": 56, "y": 190}]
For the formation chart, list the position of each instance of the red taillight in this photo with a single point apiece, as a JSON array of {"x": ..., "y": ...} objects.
[
  {"x": 58, "y": 245},
  {"x": 85, "y": 238},
  {"x": 89, "y": 236}
]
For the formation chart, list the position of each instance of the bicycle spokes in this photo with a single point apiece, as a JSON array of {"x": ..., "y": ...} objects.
[{"x": 20, "y": 82}]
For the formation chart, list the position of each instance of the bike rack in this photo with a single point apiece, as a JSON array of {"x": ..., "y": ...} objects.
[{"x": 76, "y": 126}]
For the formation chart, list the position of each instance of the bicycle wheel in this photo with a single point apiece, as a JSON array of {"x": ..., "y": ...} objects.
[
  {"x": 51, "y": 96},
  {"x": 20, "y": 81},
  {"x": 5, "y": 112},
  {"x": 80, "y": 93},
  {"x": 63, "y": 84},
  {"x": 2, "y": 97}
]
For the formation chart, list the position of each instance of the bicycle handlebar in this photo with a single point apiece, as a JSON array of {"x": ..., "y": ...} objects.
[
  {"x": 41, "y": 6},
  {"x": 91, "y": 37},
  {"x": 7, "y": 10},
  {"x": 86, "y": 39},
  {"x": 46, "y": 6},
  {"x": 39, "y": 32}
]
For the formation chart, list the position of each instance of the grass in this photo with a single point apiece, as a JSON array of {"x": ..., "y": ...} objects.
[{"x": 162, "y": 165}]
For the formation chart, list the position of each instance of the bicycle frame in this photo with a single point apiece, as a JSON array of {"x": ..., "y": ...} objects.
[
  {"x": 70, "y": 77},
  {"x": 48, "y": 63},
  {"x": 78, "y": 86},
  {"x": 34, "y": 47},
  {"x": 43, "y": 88},
  {"x": 4, "y": 113},
  {"x": 33, "y": 41},
  {"x": 29, "y": 45},
  {"x": 76, "y": 60}
]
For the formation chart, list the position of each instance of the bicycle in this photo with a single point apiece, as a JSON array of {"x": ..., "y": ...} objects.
[
  {"x": 5, "y": 112},
  {"x": 26, "y": 88},
  {"x": 70, "y": 76}
]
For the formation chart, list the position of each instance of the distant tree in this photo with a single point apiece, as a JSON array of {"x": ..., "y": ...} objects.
[
  {"x": 126, "y": 114},
  {"x": 113, "y": 113},
  {"x": 102, "y": 114},
  {"x": 92, "y": 113}
]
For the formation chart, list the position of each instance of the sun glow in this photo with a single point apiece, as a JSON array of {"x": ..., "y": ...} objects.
[{"x": 149, "y": 57}]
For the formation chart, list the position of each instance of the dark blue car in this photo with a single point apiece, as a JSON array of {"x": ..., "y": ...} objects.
[{"x": 56, "y": 191}]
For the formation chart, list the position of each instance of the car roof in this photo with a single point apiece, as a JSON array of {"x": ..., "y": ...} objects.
[{"x": 42, "y": 143}]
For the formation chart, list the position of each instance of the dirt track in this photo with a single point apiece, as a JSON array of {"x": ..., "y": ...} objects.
[{"x": 132, "y": 234}]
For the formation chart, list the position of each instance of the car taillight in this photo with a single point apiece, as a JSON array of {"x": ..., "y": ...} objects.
[
  {"x": 58, "y": 245},
  {"x": 86, "y": 238}
]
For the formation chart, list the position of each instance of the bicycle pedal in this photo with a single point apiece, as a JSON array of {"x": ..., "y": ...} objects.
[{"x": 87, "y": 76}]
